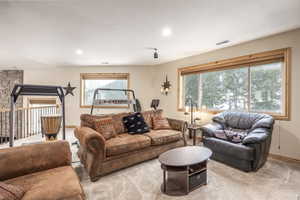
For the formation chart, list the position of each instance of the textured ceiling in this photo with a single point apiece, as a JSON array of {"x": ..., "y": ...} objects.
[{"x": 38, "y": 33}]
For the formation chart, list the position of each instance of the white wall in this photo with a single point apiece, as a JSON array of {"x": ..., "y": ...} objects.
[
  {"x": 146, "y": 81},
  {"x": 140, "y": 81},
  {"x": 286, "y": 133}
]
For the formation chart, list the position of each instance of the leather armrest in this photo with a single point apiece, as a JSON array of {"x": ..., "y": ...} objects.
[
  {"x": 209, "y": 129},
  {"x": 90, "y": 139},
  {"x": 27, "y": 159},
  {"x": 257, "y": 135},
  {"x": 266, "y": 122},
  {"x": 178, "y": 125}
]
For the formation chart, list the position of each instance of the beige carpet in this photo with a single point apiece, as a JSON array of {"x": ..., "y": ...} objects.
[{"x": 277, "y": 180}]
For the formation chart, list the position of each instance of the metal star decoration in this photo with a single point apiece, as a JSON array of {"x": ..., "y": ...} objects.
[{"x": 69, "y": 89}]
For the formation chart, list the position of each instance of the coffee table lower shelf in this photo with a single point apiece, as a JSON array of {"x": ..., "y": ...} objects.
[{"x": 178, "y": 181}]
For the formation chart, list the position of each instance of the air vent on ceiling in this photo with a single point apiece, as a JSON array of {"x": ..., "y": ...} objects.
[{"x": 223, "y": 42}]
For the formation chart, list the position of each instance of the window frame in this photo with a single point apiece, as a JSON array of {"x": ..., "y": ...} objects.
[
  {"x": 239, "y": 62},
  {"x": 99, "y": 76}
]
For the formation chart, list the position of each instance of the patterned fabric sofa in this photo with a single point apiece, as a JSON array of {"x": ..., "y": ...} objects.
[
  {"x": 100, "y": 156},
  {"x": 44, "y": 171},
  {"x": 252, "y": 151}
]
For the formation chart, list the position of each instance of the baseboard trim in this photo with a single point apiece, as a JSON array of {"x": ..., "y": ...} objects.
[
  {"x": 283, "y": 158},
  {"x": 71, "y": 126}
]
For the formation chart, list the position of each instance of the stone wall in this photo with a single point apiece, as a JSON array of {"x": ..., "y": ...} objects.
[{"x": 8, "y": 78}]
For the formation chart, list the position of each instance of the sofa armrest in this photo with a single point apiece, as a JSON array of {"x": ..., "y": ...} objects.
[
  {"x": 179, "y": 125},
  {"x": 209, "y": 129},
  {"x": 90, "y": 139},
  {"x": 27, "y": 159},
  {"x": 257, "y": 135},
  {"x": 92, "y": 150}
]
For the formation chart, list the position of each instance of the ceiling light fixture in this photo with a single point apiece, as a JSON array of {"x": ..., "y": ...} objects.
[
  {"x": 223, "y": 42},
  {"x": 155, "y": 55},
  {"x": 79, "y": 52},
  {"x": 105, "y": 63},
  {"x": 166, "y": 32}
]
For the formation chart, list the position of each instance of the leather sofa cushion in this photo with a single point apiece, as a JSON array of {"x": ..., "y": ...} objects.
[
  {"x": 88, "y": 120},
  {"x": 244, "y": 120},
  {"x": 26, "y": 159},
  {"x": 124, "y": 143},
  {"x": 231, "y": 135},
  {"x": 54, "y": 184},
  {"x": 159, "y": 137},
  {"x": 230, "y": 149},
  {"x": 160, "y": 123},
  {"x": 148, "y": 115},
  {"x": 105, "y": 127},
  {"x": 11, "y": 192},
  {"x": 118, "y": 122}
]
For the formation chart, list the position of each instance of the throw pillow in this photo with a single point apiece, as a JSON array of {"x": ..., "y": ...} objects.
[
  {"x": 231, "y": 135},
  {"x": 135, "y": 124},
  {"x": 160, "y": 123},
  {"x": 235, "y": 136},
  {"x": 106, "y": 127},
  {"x": 11, "y": 192}
]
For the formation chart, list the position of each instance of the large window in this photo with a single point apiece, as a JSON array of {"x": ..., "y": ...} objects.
[
  {"x": 91, "y": 81},
  {"x": 255, "y": 83}
]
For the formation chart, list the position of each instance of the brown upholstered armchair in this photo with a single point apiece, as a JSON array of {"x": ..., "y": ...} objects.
[{"x": 43, "y": 170}]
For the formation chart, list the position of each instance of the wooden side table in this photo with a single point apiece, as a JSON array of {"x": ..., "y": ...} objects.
[
  {"x": 184, "y": 169},
  {"x": 193, "y": 128}
]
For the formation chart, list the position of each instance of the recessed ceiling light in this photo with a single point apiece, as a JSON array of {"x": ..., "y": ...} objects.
[
  {"x": 223, "y": 42},
  {"x": 105, "y": 63},
  {"x": 79, "y": 52},
  {"x": 166, "y": 32}
]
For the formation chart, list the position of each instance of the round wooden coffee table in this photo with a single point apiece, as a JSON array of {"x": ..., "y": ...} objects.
[{"x": 184, "y": 169}]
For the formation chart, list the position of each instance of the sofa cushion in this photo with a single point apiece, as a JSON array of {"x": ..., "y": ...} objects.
[
  {"x": 230, "y": 149},
  {"x": 148, "y": 115},
  {"x": 135, "y": 123},
  {"x": 160, "y": 123},
  {"x": 244, "y": 120},
  {"x": 88, "y": 120},
  {"x": 118, "y": 122},
  {"x": 159, "y": 137},
  {"x": 54, "y": 184},
  {"x": 124, "y": 143},
  {"x": 11, "y": 192},
  {"x": 231, "y": 135},
  {"x": 105, "y": 126}
]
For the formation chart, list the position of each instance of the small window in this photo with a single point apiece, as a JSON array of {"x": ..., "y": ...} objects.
[{"x": 92, "y": 81}]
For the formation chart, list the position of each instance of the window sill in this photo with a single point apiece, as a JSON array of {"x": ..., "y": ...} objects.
[{"x": 282, "y": 117}]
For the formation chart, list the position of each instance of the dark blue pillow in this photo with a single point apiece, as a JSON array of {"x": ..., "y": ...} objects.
[{"x": 135, "y": 124}]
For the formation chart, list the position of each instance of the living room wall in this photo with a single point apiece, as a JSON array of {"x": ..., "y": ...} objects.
[
  {"x": 140, "y": 81},
  {"x": 286, "y": 136}
]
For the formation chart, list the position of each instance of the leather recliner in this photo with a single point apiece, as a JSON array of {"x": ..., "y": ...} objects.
[{"x": 252, "y": 152}]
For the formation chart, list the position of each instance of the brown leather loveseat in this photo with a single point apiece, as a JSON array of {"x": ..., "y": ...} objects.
[
  {"x": 101, "y": 156},
  {"x": 43, "y": 170}
]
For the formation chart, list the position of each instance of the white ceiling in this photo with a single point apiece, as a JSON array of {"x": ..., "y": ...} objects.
[{"x": 41, "y": 32}]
